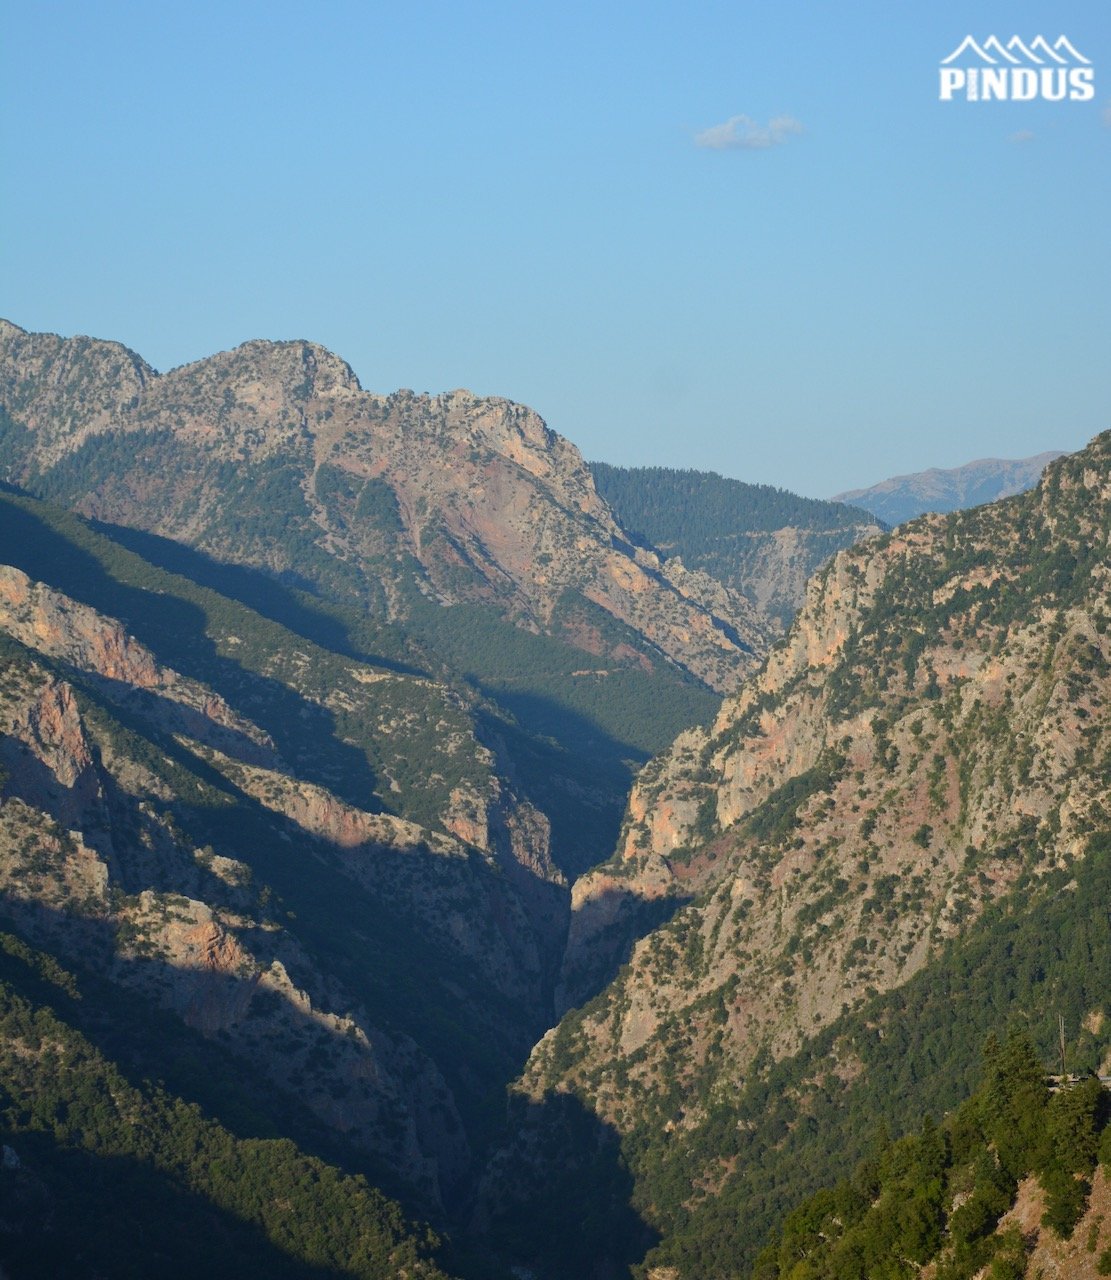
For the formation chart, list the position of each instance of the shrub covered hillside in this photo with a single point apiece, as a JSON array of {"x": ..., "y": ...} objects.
[{"x": 192, "y": 818}]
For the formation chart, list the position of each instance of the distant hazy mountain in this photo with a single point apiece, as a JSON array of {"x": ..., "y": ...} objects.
[{"x": 904, "y": 497}]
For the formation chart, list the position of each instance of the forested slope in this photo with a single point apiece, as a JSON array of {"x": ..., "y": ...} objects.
[
  {"x": 947, "y": 1194},
  {"x": 762, "y": 541}
]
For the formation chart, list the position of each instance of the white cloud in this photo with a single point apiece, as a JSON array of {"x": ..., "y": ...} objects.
[
  {"x": 1023, "y": 135},
  {"x": 742, "y": 133}
]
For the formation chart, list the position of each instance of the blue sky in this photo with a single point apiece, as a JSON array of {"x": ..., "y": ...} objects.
[{"x": 512, "y": 198}]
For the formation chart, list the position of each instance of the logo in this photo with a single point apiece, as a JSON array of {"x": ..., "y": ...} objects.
[{"x": 1016, "y": 72}]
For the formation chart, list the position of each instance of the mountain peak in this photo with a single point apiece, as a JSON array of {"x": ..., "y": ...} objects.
[{"x": 301, "y": 368}]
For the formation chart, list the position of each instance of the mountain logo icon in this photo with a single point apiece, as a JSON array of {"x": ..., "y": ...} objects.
[{"x": 1016, "y": 71}]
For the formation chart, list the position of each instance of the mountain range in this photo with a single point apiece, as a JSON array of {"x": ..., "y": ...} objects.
[{"x": 365, "y": 757}]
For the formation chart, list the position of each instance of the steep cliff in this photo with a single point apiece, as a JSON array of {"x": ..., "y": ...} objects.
[
  {"x": 928, "y": 706},
  {"x": 927, "y": 746}
]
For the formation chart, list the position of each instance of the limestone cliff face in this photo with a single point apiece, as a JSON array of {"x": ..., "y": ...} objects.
[
  {"x": 480, "y": 496},
  {"x": 929, "y": 731},
  {"x": 52, "y": 794},
  {"x": 264, "y": 998},
  {"x": 776, "y": 567},
  {"x": 497, "y": 507}
]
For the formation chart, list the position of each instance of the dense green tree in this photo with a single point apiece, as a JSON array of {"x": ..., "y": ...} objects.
[
  {"x": 1014, "y": 1105},
  {"x": 940, "y": 1194}
]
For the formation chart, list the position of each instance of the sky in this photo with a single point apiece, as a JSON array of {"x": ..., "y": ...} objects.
[{"x": 743, "y": 237}]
